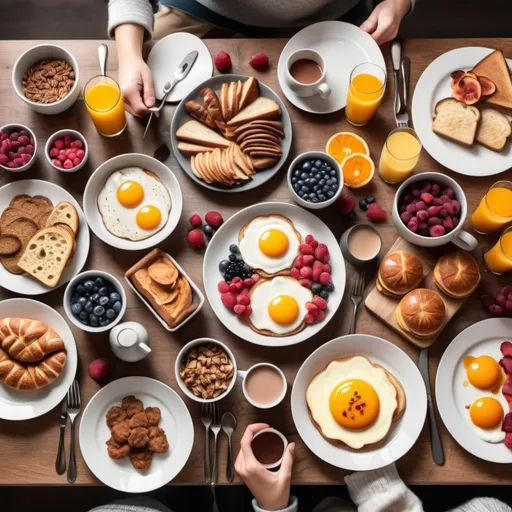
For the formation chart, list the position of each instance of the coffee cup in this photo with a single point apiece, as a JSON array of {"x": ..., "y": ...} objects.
[
  {"x": 306, "y": 74},
  {"x": 459, "y": 237},
  {"x": 264, "y": 385},
  {"x": 268, "y": 446}
]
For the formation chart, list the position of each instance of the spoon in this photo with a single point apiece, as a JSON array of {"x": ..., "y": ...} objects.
[
  {"x": 228, "y": 425},
  {"x": 103, "y": 56}
]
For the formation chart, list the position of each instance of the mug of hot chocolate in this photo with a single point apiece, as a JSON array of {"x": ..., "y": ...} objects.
[
  {"x": 306, "y": 74},
  {"x": 264, "y": 385},
  {"x": 268, "y": 446}
]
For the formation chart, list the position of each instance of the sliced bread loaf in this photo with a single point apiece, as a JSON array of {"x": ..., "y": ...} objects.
[
  {"x": 456, "y": 121},
  {"x": 64, "y": 213},
  {"x": 494, "y": 129}
]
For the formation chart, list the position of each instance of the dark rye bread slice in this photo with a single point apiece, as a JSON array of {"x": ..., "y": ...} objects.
[
  {"x": 9, "y": 244},
  {"x": 24, "y": 229},
  {"x": 17, "y": 201}
]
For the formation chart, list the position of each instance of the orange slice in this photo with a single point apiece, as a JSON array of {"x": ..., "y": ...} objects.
[
  {"x": 358, "y": 170},
  {"x": 344, "y": 144}
]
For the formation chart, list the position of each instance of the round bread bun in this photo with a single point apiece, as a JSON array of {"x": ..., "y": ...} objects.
[
  {"x": 457, "y": 274},
  {"x": 399, "y": 273},
  {"x": 421, "y": 313}
]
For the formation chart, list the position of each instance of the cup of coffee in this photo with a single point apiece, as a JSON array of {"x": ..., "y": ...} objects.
[
  {"x": 306, "y": 74},
  {"x": 268, "y": 447},
  {"x": 264, "y": 385}
]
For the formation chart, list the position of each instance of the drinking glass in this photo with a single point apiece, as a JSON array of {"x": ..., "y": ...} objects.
[
  {"x": 495, "y": 208},
  {"x": 499, "y": 259}
]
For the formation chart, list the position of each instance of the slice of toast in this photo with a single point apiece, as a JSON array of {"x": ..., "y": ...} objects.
[
  {"x": 261, "y": 108},
  {"x": 189, "y": 149},
  {"x": 196, "y": 133},
  {"x": 456, "y": 121},
  {"x": 250, "y": 91},
  {"x": 64, "y": 213},
  {"x": 495, "y": 68},
  {"x": 494, "y": 129},
  {"x": 224, "y": 100}
]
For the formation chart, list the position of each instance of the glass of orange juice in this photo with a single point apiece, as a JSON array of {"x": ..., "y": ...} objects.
[
  {"x": 495, "y": 208},
  {"x": 399, "y": 156},
  {"x": 366, "y": 88},
  {"x": 499, "y": 259},
  {"x": 104, "y": 102}
]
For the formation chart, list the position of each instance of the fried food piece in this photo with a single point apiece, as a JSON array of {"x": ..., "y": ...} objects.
[
  {"x": 115, "y": 415},
  {"x": 121, "y": 432},
  {"x": 139, "y": 420},
  {"x": 154, "y": 415},
  {"x": 132, "y": 405},
  {"x": 155, "y": 432},
  {"x": 117, "y": 451},
  {"x": 140, "y": 459},
  {"x": 138, "y": 437},
  {"x": 158, "y": 444}
]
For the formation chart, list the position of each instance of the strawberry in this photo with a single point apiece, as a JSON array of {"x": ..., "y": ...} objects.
[
  {"x": 346, "y": 204},
  {"x": 195, "y": 220},
  {"x": 222, "y": 62},
  {"x": 194, "y": 237},
  {"x": 214, "y": 219},
  {"x": 376, "y": 213},
  {"x": 259, "y": 61}
]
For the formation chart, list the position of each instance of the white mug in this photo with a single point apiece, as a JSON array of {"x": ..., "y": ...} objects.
[
  {"x": 319, "y": 87},
  {"x": 244, "y": 374},
  {"x": 459, "y": 237}
]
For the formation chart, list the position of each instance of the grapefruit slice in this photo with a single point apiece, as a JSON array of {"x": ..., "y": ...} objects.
[
  {"x": 344, "y": 144},
  {"x": 358, "y": 170}
]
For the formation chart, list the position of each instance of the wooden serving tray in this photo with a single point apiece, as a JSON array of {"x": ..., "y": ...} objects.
[{"x": 384, "y": 306}]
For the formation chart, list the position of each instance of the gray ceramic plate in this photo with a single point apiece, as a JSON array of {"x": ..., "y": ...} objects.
[{"x": 181, "y": 116}]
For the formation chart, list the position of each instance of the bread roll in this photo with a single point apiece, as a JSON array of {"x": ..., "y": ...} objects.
[
  {"x": 457, "y": 274},
  {"x": 399, "y": 273}
]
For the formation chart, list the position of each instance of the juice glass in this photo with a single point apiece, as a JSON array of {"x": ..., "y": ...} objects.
[
  {"x": 399, "y": 156},
  {"x": 499, "y": 259},
  {"x": 366, "y": 88},
  {"x": 495, "y": 208},
  {"x": 104, "y": 102}
]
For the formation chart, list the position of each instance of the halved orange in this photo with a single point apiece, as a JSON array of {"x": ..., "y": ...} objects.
[
  {"x": 344, "y": 144},
  {"x": 358, "y": 170}
]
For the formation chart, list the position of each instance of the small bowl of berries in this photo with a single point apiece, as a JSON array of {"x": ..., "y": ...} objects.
[
  {"x": 18, "y": 146},
  {"x": 315, "y": 180},
  {"x": 67, "y": 150}
]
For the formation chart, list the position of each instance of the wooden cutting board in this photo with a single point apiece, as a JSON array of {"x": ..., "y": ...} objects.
[{"x": 384, "y": 306}]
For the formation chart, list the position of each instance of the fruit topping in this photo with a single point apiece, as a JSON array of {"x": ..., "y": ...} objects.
[
  {"x": 501, "y": 305},
  {"x": 346, "y": 204},
  {"x": 468, "y": 90},
  {"x": 488, "y": 86},
  {"x": 259, "y": 61},
  {"x": 222, "y": 62},
  {"x": 195, "y": 220},
  {"x": 315, "y": 180},
  {"x": 376, "y": 213},
  {"x": 214, "y": 219},
  {"x": 195, "y": 238},
  {"x": 455, "y": 78}
]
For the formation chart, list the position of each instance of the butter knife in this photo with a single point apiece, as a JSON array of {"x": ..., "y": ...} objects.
[
  {"x": 435, "y": 438},
  {"x": 60, "y": 463},
  {"x": 396, "y": 60}
]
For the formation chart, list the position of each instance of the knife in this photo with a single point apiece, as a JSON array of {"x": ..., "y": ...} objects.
[
  {"x": 396, "y": 59},
  {"x": 181, "y": 72},
  {"x": 60, "y": 463},
  {"x": 435, "y": 438}
]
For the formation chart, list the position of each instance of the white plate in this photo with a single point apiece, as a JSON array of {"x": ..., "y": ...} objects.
[
  {"x": 452, "y": 397},
  {"x": 25, "y": 405},
  {"x": 227, "y": 234},
  {"x": 433, "y": 86},
  {"x": 167, "y": 55},
  {"x": 120, "y": 474},
  {"x": 403, "y": 433},
  {"x": 343, "y": 46},
  {"x": 23, "y": 283},
  {"x": 96, "y": 183}
]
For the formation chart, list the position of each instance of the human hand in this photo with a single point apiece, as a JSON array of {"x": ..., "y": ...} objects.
[
  {"x": 270, "y": 488},
  {"x": 384, "y": 21},
  {"x": 137, "y": 86}
]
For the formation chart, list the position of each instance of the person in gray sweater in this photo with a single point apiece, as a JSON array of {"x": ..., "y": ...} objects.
[{"x": 132, "y": 22}]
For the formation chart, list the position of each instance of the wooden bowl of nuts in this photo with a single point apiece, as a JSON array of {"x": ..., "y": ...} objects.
[
  {"x": 45, "y": 77},
  {"x": 205, "y": 370}
]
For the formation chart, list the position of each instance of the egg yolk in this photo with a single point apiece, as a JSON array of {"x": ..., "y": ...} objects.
[
  {"x": 283, "y": 310},
  {"x": 130, "y": 194},
  {"x": 483, "y": 371},
  {"x": 273, "y": 243},
  {"x": 354, "y": 404},
  {"x": 149, "y": 217},
  {"x": 486, "y": 412}
]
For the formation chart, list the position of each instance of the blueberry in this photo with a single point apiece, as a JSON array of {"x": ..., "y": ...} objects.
[
  {"x": 223, "y": 265},
  {"x": 306, "y": 166},
  {"x": 82, "y": 301},
  {"x": 99, "y": 281},
  {"x": 95, "y": 288},
  {"x": 301, "y": 193},
  {"x": 76, "y": 308},
  {"x": 329, "y": 287},
  {"x": 304, "y": 175},
  {"x": 103, "y": 301},
  {"x": 94, "y": 320},
  {"x": 300, "y": 183},
  {"x": 88, "y": 306},
  {"x": 104, "y": 323},
  {"x": 94, "y": 298},
  {"x": 363, "y": 204},
  {"x": 110, "y": 313},
  {"x": 80, "y": 290},
  {"x": 85, "y": 321},
  {"x": 333, "y": 173},
  {"x": 103, "y": 291},
  {"x": 296, "y": 173},
  {"x": 233, "y": 249},
  {"x": 314, "y": 200},
  {"x": 318, "y": 164},
  {"x": 114, "y": 296},
  {"x": 321, "y": 183},
  {"x": 294, "y": 180},
  {"x": 316, "y": 288},
  {"x": 328, "y": 182},
  {"x": 330, "y": 194},
  {"x": 313, "y": 182},
  {"x": 352, "y": 215},
  {"x": 296, "y": 187},
  {"x": 208, "y": 230},
  {"x": 83, "y": 315},
  {"x": 370, "y": 200},
  {"x": 324, "y": 295},
  {"x": 99, "y": 310},
  {"x": 305, "y": 189},
  {"x": 316, "y": 188},
  {"x": 321, "y": 197},
  {"x": 117, "y": 307}
]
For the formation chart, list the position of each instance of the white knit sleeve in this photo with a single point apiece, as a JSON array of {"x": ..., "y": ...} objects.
[
  {"x": 483, "y": 505},
  {"x": 138, "y": 12},
  {"x": 292, "y": 507}
]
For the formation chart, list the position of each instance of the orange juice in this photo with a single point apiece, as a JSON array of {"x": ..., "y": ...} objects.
[
  {"x": 499, "y": 258},
  {"x": 495, "y": 209},
  {"x": 399, "y": 156},
  {"x": 105, "y": 105}
]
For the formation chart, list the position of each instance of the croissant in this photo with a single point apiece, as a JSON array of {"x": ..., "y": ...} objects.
[
  {"x": 28, "y": 341},
  {"x": 31, "y": 376}
]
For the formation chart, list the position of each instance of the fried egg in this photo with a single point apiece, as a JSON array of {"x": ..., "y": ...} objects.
[
  {"x": 134, "y": 204},
  {"x": 484, "y": 372},
  {"x": 486, "y": 417},
  {"x": 352, "y": 401},
  {"x": 269, "y": 243},
  {"x": 279, "y": 305}
]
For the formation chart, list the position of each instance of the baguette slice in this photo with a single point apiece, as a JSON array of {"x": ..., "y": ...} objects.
[
  {"x": 189, "y": 149},
  {"x": 224, "y": 100},
  {"x": 261, "y": 108},
  {"x": 456, "y": 121},
  {"x": 493, "y": 130},
  {"x": 250, "y": 91},
  {"x": 196, "y": 133}
]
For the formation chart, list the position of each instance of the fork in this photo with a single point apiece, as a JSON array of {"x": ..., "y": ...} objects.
[
  {"x": 206, "y": 419},
  {"x": 74, "y": 408},
  {"x": 215, "y": 426},
  {"x": 357, "y": 297}
]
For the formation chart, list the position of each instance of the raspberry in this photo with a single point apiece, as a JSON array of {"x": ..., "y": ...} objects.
[
  {"x": 410, "y": 208},
  {"x": 308, "y": 260},
  {"x": 245, "y": 291},
  {"x": 222, "y": 62},
  {"x": 299, "y": 262},
  {"x": 434, "y": 221},
  {"x": 249, "y": 282},
  {"x": 319, "y": 302},
  {"x": 68, "y": 139},
  {"x": 321, "y": 252},
  {"x": 244, "y": 300},
  {"x": 422, "y": 215},
  {"x": 14, "y": 136},
  {"x": 320, "y": 316},
  {"x": 443, "y": 212},
  {"x": 223, "y": 287},
  {"x": 436, "y": 190},
  {"x": 306, "y": 283},
  {"x": 433, "y": 211},
  {"x": 306, "y": 272},
  {"x": 444, "y": 198},
  {"x": 54, "y": 152},
  {"x": 21, "y": 150},
  {"x": 376, "y": 213},
  {"x": 195, "y": 238},
  {"x": 406, "y": 217},
  {"x": 309, "y": 239},
  {"x": 427, "y": 198},
  {"x": 29, "y": 148},
  {"x": 214, "y": 219},
  {"x": 255, "y": 277},
  {"x": 407, "y": 199},
  {"x": 448, "y": 223},
  {"x": 68, "y": 164},
  {"x": 228, "y": 299},
  {"x": 3, "y": 159},
  {"x": 325, "y": 278},
  {"x": 71, "y": 155},
  {"x": 295, "y": 273},
  {"x": 456, "y": 206},
  {"x": 312, "y": 308},
  {"x": 327, "y": 268},
  {"x": 437, "y": 231},
  {"x": 239, "y": 286},
  {"x": 421, "y": 205},
  {"x": 239, "y": 309},
  {"x": 455, "y": 221},
  {"x": 412, "y": 225},
  {"x": 449, "y": 208},
  {"x": 77, "y": 161},
  {"x": 309, "y": 318},
  {"x": 236, "y": 279},
  {"x": 59, "y": 144},
  {"x": 259, "y": 61},
  {"x": 78, "y": 144},
  {"x": 195, "y": 220},
  {"x": 80, "y": 153},
  {"x": 437, "y": 201},
  {"x": 23, "y": 140},
  {"x": 57, "y": 163},
  {"x": 19, "y": 162},
  {"x": 248, "y": 311},
  {"x": 450, "y": 193},
  {"x": 62, "y": 158},
  {"x": 346, "y": 204},
  {"x": 314, "y": 244},
  {"x": 306, "y": 249}
]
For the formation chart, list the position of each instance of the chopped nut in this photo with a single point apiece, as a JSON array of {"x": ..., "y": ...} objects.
[{"x": 48, "y": 81}]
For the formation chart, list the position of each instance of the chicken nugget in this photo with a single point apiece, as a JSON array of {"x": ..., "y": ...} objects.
[
  {"x": 155, "y": 432},
  {"x": 140, "y": 459},
  {"x": 116, "y": 450},
  {"x": 138, "y": 438},
  {"x": 132, "y": 405},
  {"x": 158, "y": 444},
  {"x": 115, "y": 415},
  {"x": 139, "y": 420},
  {"x": 154, "y": 415},
  {"x": 121, "y": 432}
]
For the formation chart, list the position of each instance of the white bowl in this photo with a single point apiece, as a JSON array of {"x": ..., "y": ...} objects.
[
  {"x": 89, "y": 274},
  {"x": 9, "y": 128},
  {"x": 96, "y": 183},
  {"x": 59, "y": 135},
  {"x": 29, "y": 58},
  {"x": 179, "y": 364},
  {"x": 311, "y": 155}
]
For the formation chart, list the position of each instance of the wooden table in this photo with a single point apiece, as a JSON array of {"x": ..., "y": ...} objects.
[{"x": 29, "y": 447}]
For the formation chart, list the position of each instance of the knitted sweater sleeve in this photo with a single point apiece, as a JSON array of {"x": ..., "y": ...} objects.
[{"x": 138, "y": 12}]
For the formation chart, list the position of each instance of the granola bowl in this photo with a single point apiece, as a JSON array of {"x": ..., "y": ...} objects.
[
  {"x": 205, "y": 386},
  {"x": 47, "y": 92}
]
